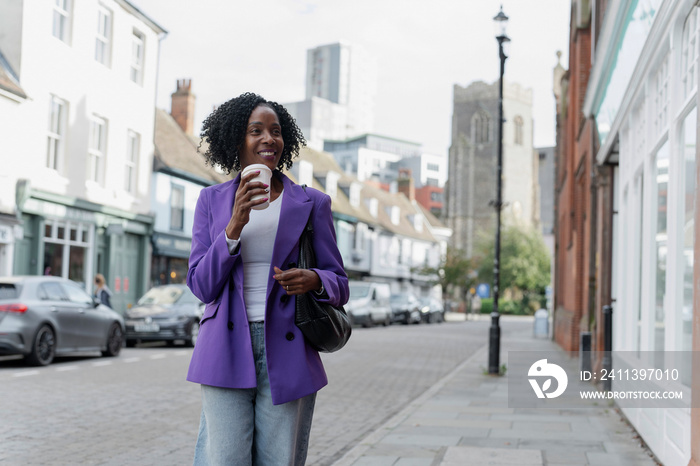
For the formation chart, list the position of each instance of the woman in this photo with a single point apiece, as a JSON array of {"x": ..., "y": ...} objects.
[
  {"x": 101, "y": 291},
  {"x": 259, "y": 377}
]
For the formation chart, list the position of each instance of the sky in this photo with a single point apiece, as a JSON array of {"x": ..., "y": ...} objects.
[{"x": 422, "y": 49}]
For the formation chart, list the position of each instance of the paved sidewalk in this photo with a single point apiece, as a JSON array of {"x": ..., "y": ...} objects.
[{"x": 464, "y": 419}]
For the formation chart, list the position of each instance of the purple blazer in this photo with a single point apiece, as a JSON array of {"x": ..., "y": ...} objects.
[{"x": 223, "y": 355}]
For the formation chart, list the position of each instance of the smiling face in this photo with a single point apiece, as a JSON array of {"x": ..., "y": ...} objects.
[{"x": 263, "y": 141}]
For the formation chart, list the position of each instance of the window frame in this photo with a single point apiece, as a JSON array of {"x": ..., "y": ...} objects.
[
  {"x": 138, "y": 43},
  {"x": 103, "y": 38},
  {"x": 133, "y": 150},
  {"x": 56, "y": 137},
  {"x": 177, "y": 212},
  {"x": 97, "y": 154}
]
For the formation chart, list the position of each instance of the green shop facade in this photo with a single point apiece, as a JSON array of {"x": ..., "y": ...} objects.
[{"x": 76, "y": 239}]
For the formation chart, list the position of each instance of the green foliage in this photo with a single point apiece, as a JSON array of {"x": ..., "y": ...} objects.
[
  {"x": 525, "y": 261},
  {"x": 456, "y": 271},
  {"x": 486, "y": 305}
]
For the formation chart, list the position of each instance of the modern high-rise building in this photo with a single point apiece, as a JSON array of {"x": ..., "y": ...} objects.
[{"x": 347, "y": 75}]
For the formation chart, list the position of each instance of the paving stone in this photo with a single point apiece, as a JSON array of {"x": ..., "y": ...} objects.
[
  {"x": 612, "y": 459},
  {"x": 491, "y": 456}
]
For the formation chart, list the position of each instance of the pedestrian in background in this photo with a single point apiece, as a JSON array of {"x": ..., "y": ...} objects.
[
  {"x": 259, "y": 377},
  {"x": 102, "y": 292}
]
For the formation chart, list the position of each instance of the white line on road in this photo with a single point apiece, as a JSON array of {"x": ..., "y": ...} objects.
[
  {"x": 132, "y": 360},
  {"x": 101, "y": 363},
  {"x": 66, "y": 368},
  {"x": 159, "y": 356},
  {"x": 25, "y": 373},
  {"x": 181, "y": 353}
]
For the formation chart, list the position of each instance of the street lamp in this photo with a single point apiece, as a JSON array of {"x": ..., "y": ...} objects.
[{"x": 500, "y": 22}]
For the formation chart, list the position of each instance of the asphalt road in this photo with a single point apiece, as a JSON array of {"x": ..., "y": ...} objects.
[{"x": 137, "y": 409}]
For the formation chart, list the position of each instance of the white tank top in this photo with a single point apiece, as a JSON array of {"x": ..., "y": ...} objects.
[{"x": 257, "y": 242}]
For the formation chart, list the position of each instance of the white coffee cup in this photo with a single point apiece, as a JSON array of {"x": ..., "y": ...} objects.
[{"x": 265, "y": 176}]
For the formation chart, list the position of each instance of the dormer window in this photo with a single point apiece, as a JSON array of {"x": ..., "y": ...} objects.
[{"x": 355, "y": 189}]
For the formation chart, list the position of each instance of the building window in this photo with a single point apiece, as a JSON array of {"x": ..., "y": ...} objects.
[
  {"x": 481, "y": 127},
  {"x": 689, "y": 145},
  {"x": 133, "y": 143},
  {"x": 66, "y": 250},
  {"x": 518, "y": 122},
  {"x": 104, "y": 33},
  {"x": 177, "y": 207},
  {"x": 432, "y": 182},
  {"x": 661, "y": 99},
  {"x": 57, "y": 133},
  {"x": 433, "y": 167},
  {"x": 137, "y": 53},
  {"x": 61, "y": 19},
  {"x": 96, "y": 149},
  {"x": 689, "y": 53}
]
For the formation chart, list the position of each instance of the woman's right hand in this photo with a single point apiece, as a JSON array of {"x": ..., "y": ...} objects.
[{"x": 243, "y": 203}]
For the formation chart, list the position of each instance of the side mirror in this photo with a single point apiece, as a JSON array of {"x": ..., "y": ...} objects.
[{"x": 96, "y": 301}]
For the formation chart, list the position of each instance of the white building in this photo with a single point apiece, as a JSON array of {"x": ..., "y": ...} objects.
[
  {"x": 344, "y": 74},
  {"x": 341, "y": 88},
  {"x": 319, "y": 119},
  {"x": 372, "y": 157},
  {"x": 643, "y": 94},
  {"x": 78, "y": 149}
]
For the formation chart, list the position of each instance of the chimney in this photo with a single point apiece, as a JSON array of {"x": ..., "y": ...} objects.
[
  {"x": 182, "y": 105},
  {"x": 406, "y": 185}
]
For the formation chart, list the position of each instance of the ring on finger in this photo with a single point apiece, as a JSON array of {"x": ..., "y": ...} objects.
[{"x": 287, "y": 287}]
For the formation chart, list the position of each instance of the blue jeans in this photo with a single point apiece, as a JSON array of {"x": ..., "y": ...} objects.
[{"x": 243, "y": 427}]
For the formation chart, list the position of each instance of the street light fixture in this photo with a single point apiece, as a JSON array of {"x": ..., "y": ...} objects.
[{"x": 500, "y": 22}]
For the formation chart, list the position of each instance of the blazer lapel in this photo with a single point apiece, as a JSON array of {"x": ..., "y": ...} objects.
[
  {"x": 222, "y": 207},
  {"x": 294, "y": 213}
]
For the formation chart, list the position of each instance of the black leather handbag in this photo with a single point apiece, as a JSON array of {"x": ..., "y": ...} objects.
[{"x": 327, "y": 328}]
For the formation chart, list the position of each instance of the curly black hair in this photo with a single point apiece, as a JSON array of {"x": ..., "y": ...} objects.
[{"x": 225, "y": 128}]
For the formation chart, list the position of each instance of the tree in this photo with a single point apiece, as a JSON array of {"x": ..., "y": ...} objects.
[
  {"x": 525, "y": 261},
  {"x": 455, "y": 271}
]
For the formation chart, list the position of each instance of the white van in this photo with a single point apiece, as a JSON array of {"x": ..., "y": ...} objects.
[{"x": 369, "y": 303}]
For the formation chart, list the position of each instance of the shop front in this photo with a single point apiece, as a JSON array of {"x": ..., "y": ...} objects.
[
  {"x": 170, "y": 258},
  {"x": 645, "y": 107},
  {"x": 76, "y": 239}
]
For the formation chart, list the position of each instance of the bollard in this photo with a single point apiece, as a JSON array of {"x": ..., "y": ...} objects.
[
  {"x": 494, "y": 344},
  {"x": 607, "y": 342},
  {"x": 585, "y": 352},
  {"x": 541, "y": 328}
]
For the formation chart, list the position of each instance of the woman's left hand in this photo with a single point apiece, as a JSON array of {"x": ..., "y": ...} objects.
[{"x": 297, "y": 281}]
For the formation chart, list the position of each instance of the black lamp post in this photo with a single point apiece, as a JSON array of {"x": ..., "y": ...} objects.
[{"x": 500, "y": 21}]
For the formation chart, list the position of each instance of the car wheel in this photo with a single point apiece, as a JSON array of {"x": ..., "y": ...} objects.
[
  {"x": 115, "y": 338},
  {"x": 194, "y": 333},
  {"x": 44, "y": 347},
  {"x": 370, "y": 321},
  {"x": 387, "y": 321}
]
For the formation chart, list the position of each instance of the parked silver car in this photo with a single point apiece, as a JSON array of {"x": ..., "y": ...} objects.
[
  {"x": 165, "y": 313},
  {"x": 42, "y": 317},
  {"x": 406, "y": 308}
]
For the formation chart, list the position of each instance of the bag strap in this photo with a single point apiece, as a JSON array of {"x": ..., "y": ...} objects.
[{"x": 309, "y": 226}]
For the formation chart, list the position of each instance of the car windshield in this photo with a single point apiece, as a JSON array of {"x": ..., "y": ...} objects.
[
  {"x": 162, "y": 295},
  {"x": 359, "y": 290},
  {"x": 400, "y": 299}
]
